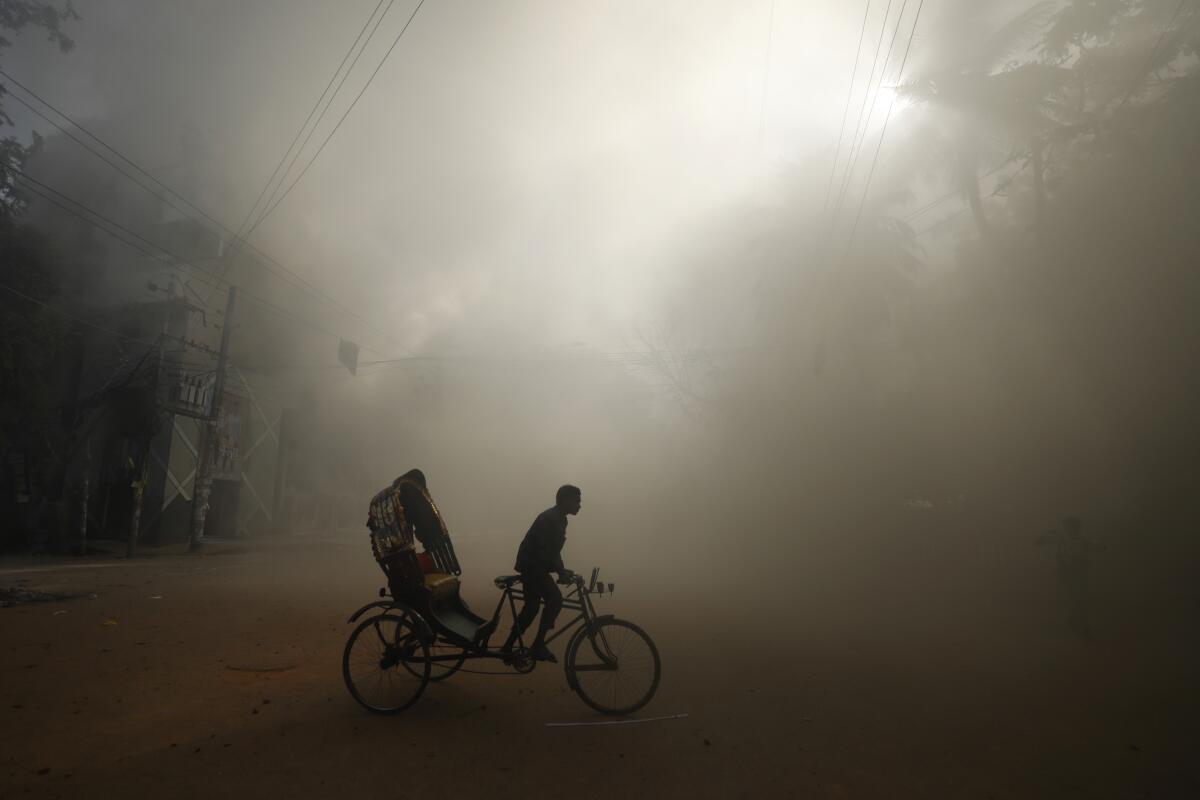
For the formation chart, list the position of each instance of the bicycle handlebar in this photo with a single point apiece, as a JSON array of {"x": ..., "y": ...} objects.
[{"x": 593, "y": 585}]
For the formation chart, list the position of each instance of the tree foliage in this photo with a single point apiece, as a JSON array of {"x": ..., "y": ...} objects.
[
  {"x": 1096, "y": 300},
  {"x": 30, "y": 334},
  {"x": 1053, "y": 356}
]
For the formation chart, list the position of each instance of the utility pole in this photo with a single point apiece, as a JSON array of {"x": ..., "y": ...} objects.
[
  {"x": 83, "y": 514},
  {"x": 139, "y": 496},
  {"x": 208, "y": 435}
]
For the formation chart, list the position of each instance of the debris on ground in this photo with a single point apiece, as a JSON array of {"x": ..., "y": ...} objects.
[{"x": 15, "y": 596}]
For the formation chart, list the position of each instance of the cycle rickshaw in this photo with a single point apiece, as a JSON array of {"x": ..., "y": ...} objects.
[{"x": 424, "y": 631}]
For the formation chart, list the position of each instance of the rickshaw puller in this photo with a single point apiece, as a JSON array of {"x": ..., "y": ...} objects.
[{"x": 540, "y": 554}]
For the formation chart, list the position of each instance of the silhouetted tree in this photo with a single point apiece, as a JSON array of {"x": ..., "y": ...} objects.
[{"x": 30, "y": 334}]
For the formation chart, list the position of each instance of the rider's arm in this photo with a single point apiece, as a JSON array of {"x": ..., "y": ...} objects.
[{"x": 550, "y": 541}]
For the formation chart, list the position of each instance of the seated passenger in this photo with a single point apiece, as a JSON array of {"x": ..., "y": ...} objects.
[{"x": 398, "y": 514}]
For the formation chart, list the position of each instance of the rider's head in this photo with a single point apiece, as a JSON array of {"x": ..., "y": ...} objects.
[{"x": 568, "y": 499}]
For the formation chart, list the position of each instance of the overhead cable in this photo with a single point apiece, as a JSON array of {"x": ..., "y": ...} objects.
[
  {"x": 300, "y": 283},
  {"x": 863, "y": 111},
  {"x": 353, "y": 103},
  {"x": 846, "y": 110},
  {"x": 165, "y": 255},
  {"x": 71, "y": 316},
  {"x": 883, "y": 132},
  {"x": 295, "y": 151},
  {"x": 1137, "y": 78}
]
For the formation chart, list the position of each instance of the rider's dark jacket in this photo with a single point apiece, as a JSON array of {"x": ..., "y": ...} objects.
[{"x": 541, "y": 549}]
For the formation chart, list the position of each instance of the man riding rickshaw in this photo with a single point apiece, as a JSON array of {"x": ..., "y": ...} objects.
[{"x": 425, "y": 632}]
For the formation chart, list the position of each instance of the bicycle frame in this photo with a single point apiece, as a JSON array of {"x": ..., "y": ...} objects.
[{"x": 576, "y": 600}]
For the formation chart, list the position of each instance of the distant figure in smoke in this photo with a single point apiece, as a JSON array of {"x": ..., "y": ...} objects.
[
  {"x": 1072, "y": 555},
  {"x": 540, "y": 554}
]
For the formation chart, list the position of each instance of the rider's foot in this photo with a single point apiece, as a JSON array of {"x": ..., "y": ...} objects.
[{"x": 542, "y": 653}]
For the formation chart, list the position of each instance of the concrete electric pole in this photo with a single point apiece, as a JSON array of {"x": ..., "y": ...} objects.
[{"x": 208, "y": 435}]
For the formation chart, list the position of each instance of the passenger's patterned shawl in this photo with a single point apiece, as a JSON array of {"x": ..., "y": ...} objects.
[{"x": 390, "y": 532}]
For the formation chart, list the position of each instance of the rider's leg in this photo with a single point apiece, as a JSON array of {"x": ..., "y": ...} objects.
[
  {"x": 533, "y": 599},
  {"x": 552, "y": 597}
]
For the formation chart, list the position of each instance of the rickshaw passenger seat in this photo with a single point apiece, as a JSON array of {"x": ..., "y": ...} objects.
[
  {"x": 449, "y": 610},
  {"x": 439, "y": 583}
]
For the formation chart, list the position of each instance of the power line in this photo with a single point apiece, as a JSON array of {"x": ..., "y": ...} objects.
[
  {"x": 166, "y": 255},
  {"x": 887, "y": 59},
  {"x": 883, "y": 132},
  {"x": 168, "y": 259},
  {"x": 90, "y": 149},
  {"x": 102, "y": 143},
  {"x": 263, "y": 258},
  {"x": 328, "y": 103},
  {"x": 846, "y": 110},
  {"x": 239, "y": 238},
  {"x": 995, "y": 191},
  {"x": 284, "y": 313},
  {"x": 937, "y": 201},
  {"x": 312, "y": 111},
  {"x": 244, "y": 233},
  {"x": 850, "y": 161},
  {"x": 341, "y": 120},
  {"x": 1150, "y": 58},
  {"x": 163, "y": 255},
  {"x": 856, "y": 147},
  {"x": 71, "y": 316}
]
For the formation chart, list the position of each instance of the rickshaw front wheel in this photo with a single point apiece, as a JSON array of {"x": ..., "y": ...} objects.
[{"x": 613, "y": 666}]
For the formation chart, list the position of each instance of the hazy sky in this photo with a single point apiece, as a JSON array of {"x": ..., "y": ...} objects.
[
  {"x": 519, "y": 179},
  {"x": 517, "y": 173}
]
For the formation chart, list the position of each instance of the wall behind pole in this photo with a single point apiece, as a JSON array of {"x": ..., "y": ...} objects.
[{"x": 261, "y": 440}]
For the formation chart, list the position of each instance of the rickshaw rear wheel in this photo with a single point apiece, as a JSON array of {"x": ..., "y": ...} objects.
[
  {"x": 613, "y": 666},
  {"x": 386, "y": 663}
]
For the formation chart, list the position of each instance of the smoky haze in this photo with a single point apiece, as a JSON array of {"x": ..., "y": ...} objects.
[{"x": 620, "y": 245}]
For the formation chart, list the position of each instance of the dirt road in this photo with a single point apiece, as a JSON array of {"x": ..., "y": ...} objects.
[{"x": 219, "y": 676}]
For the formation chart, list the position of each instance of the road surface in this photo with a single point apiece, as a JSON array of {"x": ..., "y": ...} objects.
[{"x": 219, "y": 676}]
